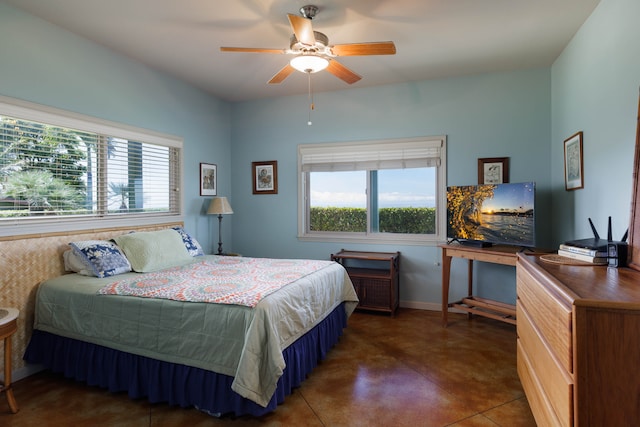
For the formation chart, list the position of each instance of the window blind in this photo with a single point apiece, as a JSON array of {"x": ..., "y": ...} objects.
[
  {"x": 370, "y": 155},
  {"x": 56, "y": 164}
]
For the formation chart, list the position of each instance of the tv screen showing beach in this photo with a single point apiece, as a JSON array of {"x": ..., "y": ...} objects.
[{"x": 498, "y": 213}]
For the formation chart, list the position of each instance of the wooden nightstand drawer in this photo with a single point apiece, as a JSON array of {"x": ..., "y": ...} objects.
[
  {"x": 550, "y": 315},
  {"x": 373, "y": 293}
]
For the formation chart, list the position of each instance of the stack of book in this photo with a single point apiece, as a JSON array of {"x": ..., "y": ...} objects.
[{"x": 593, "y": 255}]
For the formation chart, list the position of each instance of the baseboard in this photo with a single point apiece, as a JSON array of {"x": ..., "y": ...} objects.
[
  {"x": 18, "y": 374},
  {"x": 431, "y": 306}
]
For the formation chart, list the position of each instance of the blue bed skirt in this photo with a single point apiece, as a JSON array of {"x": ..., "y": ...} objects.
[{"x": 177, "y": 384}]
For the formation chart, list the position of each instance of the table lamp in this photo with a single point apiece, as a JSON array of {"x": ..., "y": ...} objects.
[{"x": 219, "y": 206}]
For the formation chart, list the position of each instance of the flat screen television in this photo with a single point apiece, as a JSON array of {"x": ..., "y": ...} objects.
[{"x": 482, "y": 215}]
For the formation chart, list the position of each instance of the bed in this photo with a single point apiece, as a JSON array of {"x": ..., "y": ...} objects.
[{"x": 223, "y": 334}]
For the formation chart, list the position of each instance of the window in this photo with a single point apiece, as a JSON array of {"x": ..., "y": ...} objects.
[
  {"x": 62, "y": 171},
  {"x": 373, "y": 191}
]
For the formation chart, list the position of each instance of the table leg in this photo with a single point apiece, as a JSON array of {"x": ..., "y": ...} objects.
[
  {"x": 470, "y": 283},
  {"x": 446, "y": 275},
  {"x": 13, "y": 405}
]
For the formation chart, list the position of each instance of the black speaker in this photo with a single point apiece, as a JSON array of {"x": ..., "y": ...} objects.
[{"x": 617, "y": 254}]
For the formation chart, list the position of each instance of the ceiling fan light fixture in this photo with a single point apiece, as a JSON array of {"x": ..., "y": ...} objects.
[{"x": 309, "y": 63}]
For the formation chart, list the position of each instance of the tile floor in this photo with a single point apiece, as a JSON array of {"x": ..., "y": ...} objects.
[{"x": 402, "y": 371}]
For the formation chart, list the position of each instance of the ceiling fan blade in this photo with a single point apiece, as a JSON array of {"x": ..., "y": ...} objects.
[
  {"x": 342, "y": 72},
  {"x": 373, "y": 48},
  {"x": 251, "y": 50},
  {"x": 303, "y": 29},
  {"x": 281, "y": 75}
]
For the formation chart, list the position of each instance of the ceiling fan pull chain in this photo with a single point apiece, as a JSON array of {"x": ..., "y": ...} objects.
[{"x": 311, "y": 104}]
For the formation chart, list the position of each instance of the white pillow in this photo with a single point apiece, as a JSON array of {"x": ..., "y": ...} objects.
[{"x": 74, "y": 263}]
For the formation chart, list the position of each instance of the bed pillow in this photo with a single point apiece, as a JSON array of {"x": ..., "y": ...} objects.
[
  {"x": 192, "y": 245},
  {"x": 74, "y": 263},
  {"x": 153, "y": 250},
  {"x": 104, "y": 258}
]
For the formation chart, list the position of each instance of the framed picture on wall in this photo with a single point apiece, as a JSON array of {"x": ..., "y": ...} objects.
[
  {"x": 208, "y": 179},
  {"x": 494, "y": 170},
  {"x": 573, "y": 165},
  {"x": 265, "y": 177}
]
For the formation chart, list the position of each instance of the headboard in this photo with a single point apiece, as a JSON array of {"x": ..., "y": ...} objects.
[{"x": 26, "y": 261}]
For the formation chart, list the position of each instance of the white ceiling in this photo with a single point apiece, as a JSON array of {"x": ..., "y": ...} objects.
[{"x": 434, "y": 38}]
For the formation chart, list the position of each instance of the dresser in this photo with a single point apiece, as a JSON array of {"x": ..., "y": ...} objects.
[{"x": 579, "y": 342}]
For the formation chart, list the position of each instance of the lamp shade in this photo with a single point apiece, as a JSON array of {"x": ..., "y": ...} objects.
[{"x": 219, "y": 206}]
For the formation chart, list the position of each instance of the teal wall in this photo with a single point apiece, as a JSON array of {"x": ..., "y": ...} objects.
[
  {"x": 493, "y": 115},
  {"x": 42, "y": 63},
  {"x": 523, "y": 115},
  {"x": 595, "y": 86}
]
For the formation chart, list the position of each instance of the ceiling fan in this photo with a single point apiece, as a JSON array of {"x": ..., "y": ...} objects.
[{"x": 313, "y": 52}]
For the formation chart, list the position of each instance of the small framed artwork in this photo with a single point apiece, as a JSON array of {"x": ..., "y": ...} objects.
[
  {"x": 573, "y": 165},
  {"x": 208, "y": 179},
  {"x": 265, "y": 177},
  {"x": 494, "y": 170}
]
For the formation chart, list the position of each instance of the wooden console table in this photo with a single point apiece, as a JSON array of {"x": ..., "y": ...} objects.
[{"x": 505, "y": 255}]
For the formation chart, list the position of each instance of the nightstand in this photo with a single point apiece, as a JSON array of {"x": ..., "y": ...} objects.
[
  {"x": 375, "y": 277},
  {"x": 8, "y": 327}
]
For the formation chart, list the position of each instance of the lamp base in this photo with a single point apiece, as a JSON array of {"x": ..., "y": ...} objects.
[{"x": 219, "y": 235}]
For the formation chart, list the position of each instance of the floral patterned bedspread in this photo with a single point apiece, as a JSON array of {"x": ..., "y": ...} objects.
[{"x": 222, "y": 280}]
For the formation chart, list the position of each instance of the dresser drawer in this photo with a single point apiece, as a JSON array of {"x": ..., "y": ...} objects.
[
  {"x": 550, "y": 315},
  {"x": 538, "y": 401},
  {"x": 555, "y": 383}
]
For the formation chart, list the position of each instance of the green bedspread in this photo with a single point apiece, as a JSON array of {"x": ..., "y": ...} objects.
[{"x": 239, "y": 341}]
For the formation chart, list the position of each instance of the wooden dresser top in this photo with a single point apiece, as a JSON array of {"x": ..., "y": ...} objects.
[{"x": 592, "y": 283}]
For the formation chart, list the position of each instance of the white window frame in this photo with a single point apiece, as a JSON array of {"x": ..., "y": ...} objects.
[
  {"x": 44, "y": 114},
  {"x": 360, "y": 154}
]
